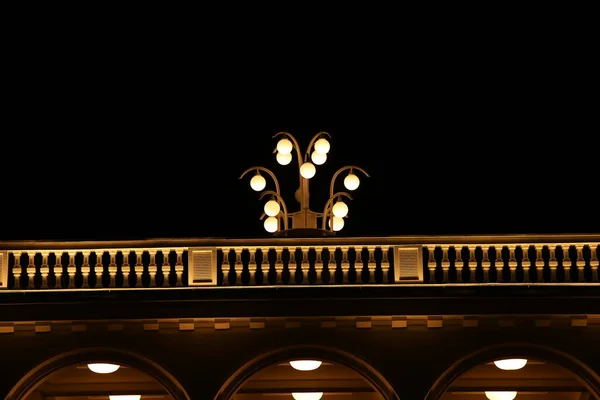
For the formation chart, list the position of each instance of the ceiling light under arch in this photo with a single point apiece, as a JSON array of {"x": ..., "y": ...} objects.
[
  {"x": 510, "y": 364},
  {"x": 103, "y": 368},
  {"x": 500, "y": 395},
  {"x": 305, "y": 365},
  {"x": 307, "y": 396}
]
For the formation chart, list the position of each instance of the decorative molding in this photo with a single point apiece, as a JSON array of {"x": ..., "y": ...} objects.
[{"x": 451, "y": 322}]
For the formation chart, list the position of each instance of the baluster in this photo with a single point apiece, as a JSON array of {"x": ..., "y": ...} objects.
[
  {"x": 319, "y": 265},
  {"x": 293, "y": 263},
  {"x": 370, "y": 265},
  {"x": 566, "y": 263},
  {"x": 525, "y": 264},
  {"x": 578, "y": 263},
  {"x": 152, "y": 267},
  {"x": 252, "y": 266},
  {"x": 279, "y": 265},
  {"x": 539, "y": 262},
  {"x": 345, "y": 265},
  {"x": 512, "y": 263},
  {"x": 304, "y": 265},
  {"x": 528, "y": 264},
  {"x": 268, "y": 268},
  {"x": 112, "y": 268},
  {"x": 431, "y": 264},
  {"x": 486, "y": 263},
  {"x": 238, "y": 266},
  {"x": 179, "y": 267},
  {"x": 71, "y": 270},
  {"x": 138, "y": 269},
  {"x": 85, "y": 269},
  {"x": 335, "y": 272},
  {"x": 470, "y": 268},
  {"x": 361, "y": 272},
  {"x": 552, "y": 264},
  {"x": 595, "y": 258},
  {"x": 459, "y": 264},
  {"x": 44, "y": 270},
  {"x": 166, "y": 267},
  {"x": 445, "y": 264},
  {"x": 125, "y": 273},
  {"x": 499, "y": 263},
  {"x": 58, "y": 271},
  {"x": 388, "y": 271},
  {"x": 99, "y": 269},
  {"x": 30, "y": 271},
  {"x": 17, "y": 269}
]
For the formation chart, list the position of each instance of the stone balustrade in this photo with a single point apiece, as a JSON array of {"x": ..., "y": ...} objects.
[{"x": 418, "y": 260}]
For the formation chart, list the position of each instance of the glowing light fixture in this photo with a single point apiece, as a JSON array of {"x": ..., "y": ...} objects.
[
  {"x": 308, "y": 170},
  {"x": 278, "y": 218},
  {"x": 103, "y": 368},
  {"x": 125, "y": 396},
  {"x": 272, "y": 208},
  {"x": 285, "y": 146},
  {"x": 284, "y": 159},
  {"x": 499, "y": 395},
  {"x": 510, "y": 364},
  {"x": 340, "y": 209},
  {"x": 318, "y": 158},
  {"x": 271, "y": 224},
  {"x": 307, "y": 396},
  {"x": 258, "y": 182},
  {"x": 338, "y": 223},
  {"x": 322, "y": 146},
  {"x": 351, "y": 181},
  {"x": 305, "y": 365}
]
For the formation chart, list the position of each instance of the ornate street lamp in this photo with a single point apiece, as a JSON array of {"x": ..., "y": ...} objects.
[{"x": 304, "y": 222}]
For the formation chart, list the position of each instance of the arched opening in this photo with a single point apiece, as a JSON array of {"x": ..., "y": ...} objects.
[
  {"x": 517, "y": 372},
  {"x": 338, "y": 375},
  {"x": 98, "y": 373}
]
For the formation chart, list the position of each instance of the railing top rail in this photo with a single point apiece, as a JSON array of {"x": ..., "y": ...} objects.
[{"x": 426, "y": 240}]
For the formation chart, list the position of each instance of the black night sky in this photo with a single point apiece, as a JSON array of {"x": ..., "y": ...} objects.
[
  {"x": 425, "y": 179},
  {"x": 465, "y": 126},
  {"x": 143, "y": 150}
]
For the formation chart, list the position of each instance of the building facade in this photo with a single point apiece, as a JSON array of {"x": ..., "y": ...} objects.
[{"x": 410, "y": 318}]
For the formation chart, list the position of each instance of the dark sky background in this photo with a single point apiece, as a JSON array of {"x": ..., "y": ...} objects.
[
  {"x": 149, "y": 141},
  {"x": 426, "y": 177}
]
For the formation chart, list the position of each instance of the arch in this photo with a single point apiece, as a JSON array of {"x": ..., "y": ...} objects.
[
  {"x": 515, "y": 350},
  {"x": 97, "y": 354},
  {"x": 243, "y": 373}
]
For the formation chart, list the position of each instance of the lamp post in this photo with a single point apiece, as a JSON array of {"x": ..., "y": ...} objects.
[{"x": 304, "y": 222}]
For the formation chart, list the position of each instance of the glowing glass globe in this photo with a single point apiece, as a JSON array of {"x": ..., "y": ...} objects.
[
  {"x": 340, "y": 209},
  {"x": 305, "y": 365},
  {"x": 258, "y": 182},
  {"x": 351, "y": 182},
  {"x": 307, "y": 170},
  {"x": 499, "y": 395},
  {"x": 270, "y": 224},
  {"x": 272, "y": 208},
  {"x": 283, "y": 158},
  {"x": 338, "y": 223},
  {"x": 103, "y": 368},
  {"x": 322, "y": 146},
  {"x": 510, "y": 364},
  {"x": 318, "y": 158},
  {"x": 284, "y": 146}
]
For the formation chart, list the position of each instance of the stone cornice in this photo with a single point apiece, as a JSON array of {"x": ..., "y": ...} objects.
[{"x": 172, "y": 243}]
